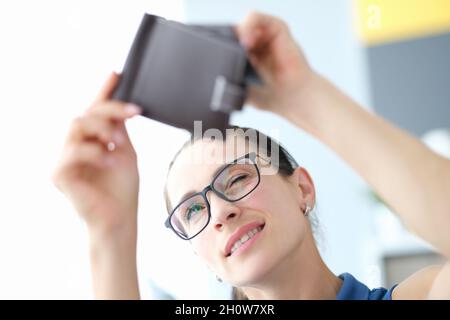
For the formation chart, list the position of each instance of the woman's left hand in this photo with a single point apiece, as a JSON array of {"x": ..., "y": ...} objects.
[{"x": 278, "y": 60}]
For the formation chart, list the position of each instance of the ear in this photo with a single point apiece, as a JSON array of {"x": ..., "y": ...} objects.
[{"x": 305, "y": 185}]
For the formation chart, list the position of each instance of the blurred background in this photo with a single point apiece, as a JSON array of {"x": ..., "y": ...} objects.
[{"x": 392, "y": 56}]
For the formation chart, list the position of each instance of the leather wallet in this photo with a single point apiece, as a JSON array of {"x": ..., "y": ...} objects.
[{"x": 182, "y": 73}]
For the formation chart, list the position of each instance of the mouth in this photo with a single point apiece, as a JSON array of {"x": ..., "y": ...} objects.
[{"x": 243, "y": 238}]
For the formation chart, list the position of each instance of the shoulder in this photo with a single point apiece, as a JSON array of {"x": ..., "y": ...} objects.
[{"x": 429, "y": 283}]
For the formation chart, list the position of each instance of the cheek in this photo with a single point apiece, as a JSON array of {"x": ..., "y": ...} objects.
[
  {"x": 206, "y": 248},
  {"x": 271, "y": 197},
  {"x": 280, "y": 209}
]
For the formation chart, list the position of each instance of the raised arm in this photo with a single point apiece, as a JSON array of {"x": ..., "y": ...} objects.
[
  {"x": 103, "y": 185},
  {"x": 413, "y": 180}
]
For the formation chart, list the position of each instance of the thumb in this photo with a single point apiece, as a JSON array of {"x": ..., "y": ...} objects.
[{"x": 123, "y": 130}]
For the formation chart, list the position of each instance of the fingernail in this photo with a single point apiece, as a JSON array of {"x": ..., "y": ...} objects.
[{"x": 131, "y": 109}]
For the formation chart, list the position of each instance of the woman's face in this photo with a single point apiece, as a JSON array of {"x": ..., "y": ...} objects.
[{"x": 276, "y": 204}]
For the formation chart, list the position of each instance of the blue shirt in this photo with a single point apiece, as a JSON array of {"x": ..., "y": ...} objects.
[{"x": 352, "y": 289}]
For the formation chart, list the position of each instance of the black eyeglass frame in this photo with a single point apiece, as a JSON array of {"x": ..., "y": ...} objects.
[{"x": 252, "y": 156}]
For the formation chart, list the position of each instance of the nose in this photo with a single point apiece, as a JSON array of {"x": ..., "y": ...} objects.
[{"x": 222, "y": 211}]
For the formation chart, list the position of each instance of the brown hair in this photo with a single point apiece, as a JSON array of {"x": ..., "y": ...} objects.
[{"x": 286, "y": 167}]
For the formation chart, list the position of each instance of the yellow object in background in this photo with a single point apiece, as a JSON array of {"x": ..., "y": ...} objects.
[{"x": 381, "y": 21}]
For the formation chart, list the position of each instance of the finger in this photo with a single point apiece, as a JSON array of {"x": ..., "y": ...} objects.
[
  {"x": 76, "y": 158},
  {"x": 86, "y": 153},
  {"x": 95, "y": 127},
  {"x": 114, "y": 110},
  {"x": 108, "y": 88},
  {"x": 258, "y": 28},
  {"x": 260, "y": 63}
]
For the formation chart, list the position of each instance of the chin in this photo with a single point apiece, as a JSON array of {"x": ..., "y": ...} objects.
[{"x": 254, "y": 270}]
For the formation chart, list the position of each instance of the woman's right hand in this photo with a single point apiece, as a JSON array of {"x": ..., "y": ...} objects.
[{"x": 101, "y": 183}]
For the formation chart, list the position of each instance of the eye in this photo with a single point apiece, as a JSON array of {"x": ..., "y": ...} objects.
[
  {"x": 237, "y": 179},
  {"x": 193, "y": 210}
]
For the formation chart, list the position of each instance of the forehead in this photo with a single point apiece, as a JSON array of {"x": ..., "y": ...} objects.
[{"x": 196, "y": 164}]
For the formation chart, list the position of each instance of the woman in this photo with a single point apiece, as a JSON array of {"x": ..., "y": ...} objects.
[{"x": 263, "y": 221}]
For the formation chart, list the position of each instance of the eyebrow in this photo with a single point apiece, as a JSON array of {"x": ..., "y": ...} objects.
[{"x": 192, "y": 192}]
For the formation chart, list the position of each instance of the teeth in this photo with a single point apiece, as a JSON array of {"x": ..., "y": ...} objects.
[{"x": 245, "y": 238}]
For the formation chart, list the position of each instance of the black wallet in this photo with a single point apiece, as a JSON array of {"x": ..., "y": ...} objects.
[{"x": 182, "y": 73}]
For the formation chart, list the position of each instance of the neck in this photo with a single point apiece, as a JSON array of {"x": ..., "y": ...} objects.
[{"x": 298, "y": 278}]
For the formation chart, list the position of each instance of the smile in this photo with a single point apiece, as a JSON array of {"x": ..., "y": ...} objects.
[{"x": 245, "y": 240}]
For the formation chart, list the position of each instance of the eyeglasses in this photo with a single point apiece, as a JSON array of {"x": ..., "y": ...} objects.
[{"x": 232, "y": 183}]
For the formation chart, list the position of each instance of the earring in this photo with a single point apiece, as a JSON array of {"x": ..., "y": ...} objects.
[
  {"x": 307, "y": 210},
  {"x": 218, "y": 279}
]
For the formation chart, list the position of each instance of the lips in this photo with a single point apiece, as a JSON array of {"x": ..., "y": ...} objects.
[{"x": 238, "y": 234}]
